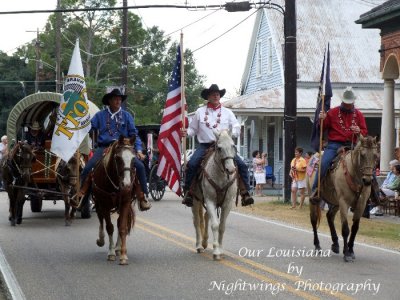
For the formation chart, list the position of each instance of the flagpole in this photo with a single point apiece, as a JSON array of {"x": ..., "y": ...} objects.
[
  {"x": 321, "y": 133},
  {"x": 183, "y": 102}
]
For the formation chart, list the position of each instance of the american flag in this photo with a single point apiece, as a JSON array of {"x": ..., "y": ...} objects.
[{"x": 169, "y": 140}]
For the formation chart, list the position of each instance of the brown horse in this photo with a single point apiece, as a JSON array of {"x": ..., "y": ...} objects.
[
  {"x": 346, "y": 186},
  {"x": 113, "y": 190},
  {"x": 67, "y": 180},
  {"x": 17, "y": 167}
]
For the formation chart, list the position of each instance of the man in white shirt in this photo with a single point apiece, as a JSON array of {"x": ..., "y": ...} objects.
[{"x": 209, "y": 117}]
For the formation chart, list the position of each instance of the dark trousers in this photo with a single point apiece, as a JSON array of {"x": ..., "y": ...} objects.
[
  {"x": 138, "y": 164},
  {"x": 194, "y": 164}
]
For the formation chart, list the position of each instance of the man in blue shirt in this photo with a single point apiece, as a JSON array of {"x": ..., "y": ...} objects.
[{"x": 109, "y": 124}]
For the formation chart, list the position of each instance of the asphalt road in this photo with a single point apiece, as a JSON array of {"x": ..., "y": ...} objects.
[{"x": 43, "y": 259}]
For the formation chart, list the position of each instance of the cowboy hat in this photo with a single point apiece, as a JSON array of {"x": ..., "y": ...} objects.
[
  {"x": 35, "y": 126},
  {"x": 348, "y": 96},
  {"x": 213, "y": 88},
  {"x": 114, "y": 92}
]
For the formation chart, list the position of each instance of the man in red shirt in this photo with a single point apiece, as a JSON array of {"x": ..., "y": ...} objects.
[{"x": 342, "y": 125}]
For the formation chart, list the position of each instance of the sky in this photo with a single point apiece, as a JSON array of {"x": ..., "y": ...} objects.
[{"x": 221, "y": 61}]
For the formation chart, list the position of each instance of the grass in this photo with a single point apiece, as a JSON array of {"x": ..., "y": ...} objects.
[{"x": 372, "y": 231}]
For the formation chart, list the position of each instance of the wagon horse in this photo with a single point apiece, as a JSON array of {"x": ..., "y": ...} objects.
[{"x": 17, "y": 167}]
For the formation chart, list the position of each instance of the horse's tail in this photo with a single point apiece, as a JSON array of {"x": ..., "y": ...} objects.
[{"x": 315, "y": 214}]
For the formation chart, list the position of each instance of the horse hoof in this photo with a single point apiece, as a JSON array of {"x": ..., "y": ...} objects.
[
  {"x": 335, "y": 248},
  {"x": 205, "y": 245},
  {"x": 111, "y": 257},
  {"x": 347, "y": 258},
  {"x": 118, "y": 252},
  {"x": 217, "y": 257},
  {"x": 12, "y": 222},
  {"x": 67, "y": 223},
  {"x": 100, "y": 243},
  {"x": 123, "y": 262},
  {"x": 200, "y": 250}
]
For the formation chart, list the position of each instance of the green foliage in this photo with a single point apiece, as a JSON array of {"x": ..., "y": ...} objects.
[{"x": 151, "y": 57}]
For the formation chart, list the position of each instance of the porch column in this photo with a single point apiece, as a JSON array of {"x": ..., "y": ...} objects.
[{"x": 387, "y": 128}]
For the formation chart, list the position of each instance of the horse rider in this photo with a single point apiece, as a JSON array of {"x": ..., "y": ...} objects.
[
  {"x": 35, "y": 136},
  {"x": 342, "y": 124},
  {"x": 110, "y": 123},
  {"x": 206, "y": 118}
]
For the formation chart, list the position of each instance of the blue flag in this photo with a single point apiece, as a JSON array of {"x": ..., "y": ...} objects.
[{"x": 325, "y": 89}]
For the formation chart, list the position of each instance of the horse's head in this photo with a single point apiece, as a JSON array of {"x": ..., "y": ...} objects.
[
  {"x": 122, "y": 157},
  {"x": 225, "y": 151},
  {"x": 368, "y": 153},
  {"x": 24, "y": 158},
  {"x": 69, "y": 171}
]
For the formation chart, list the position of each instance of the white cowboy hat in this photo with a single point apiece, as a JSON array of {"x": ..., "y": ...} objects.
[
  {"x": 35, "y": 126},
  {"x": 348, "y": 96}
]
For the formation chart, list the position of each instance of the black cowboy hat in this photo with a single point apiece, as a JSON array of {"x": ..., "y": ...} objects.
[
  {"x": 212, "y": 88},
  {"x": 114, "y": 92}
]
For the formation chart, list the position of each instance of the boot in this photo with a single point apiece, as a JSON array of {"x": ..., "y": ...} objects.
[
  {"x": 144, "y": 203},
  {"x": 247, "y": 199},
  {"x": 188, "y": 200}
]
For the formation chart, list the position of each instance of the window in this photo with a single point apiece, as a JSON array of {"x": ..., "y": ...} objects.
[
  {"x": 259, "y": 59},
  {"x": 269, "y": 55}
]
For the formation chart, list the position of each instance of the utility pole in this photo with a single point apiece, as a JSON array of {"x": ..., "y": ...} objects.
[
  {"x": 58, "y": 48},
  {"x": 37, "y": 50},
  {"x": 124, "y": 50},
  {"x": 290, "y": 109}
]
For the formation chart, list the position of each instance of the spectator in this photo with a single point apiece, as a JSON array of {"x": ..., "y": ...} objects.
[
  {"x": 298, "y": 174},
  {"x": 3, "y": 153},
  {"x": 308, "y": 156},
  {"x": 259, "y": 171},
  {"x": 389, "y": 185}
]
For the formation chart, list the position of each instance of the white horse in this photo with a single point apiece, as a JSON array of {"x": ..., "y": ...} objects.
[{"x": 216, "y": 190}]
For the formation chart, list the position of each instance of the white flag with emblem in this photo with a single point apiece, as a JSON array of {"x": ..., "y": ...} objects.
[{"x": 73, "y": 118}]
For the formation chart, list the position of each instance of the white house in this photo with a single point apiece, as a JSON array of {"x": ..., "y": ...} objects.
[{"x": 353, "y": 54}]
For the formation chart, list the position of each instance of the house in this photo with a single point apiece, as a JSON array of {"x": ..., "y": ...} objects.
[
  {"x": 386, "y": 17},
  {"x": 260, "y": 108}
]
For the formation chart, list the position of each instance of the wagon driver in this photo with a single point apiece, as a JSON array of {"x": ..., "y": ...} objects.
[
  {"x": 206, "y": 118},
  {"x": 342, "y": 124},
  {"x": 110, "y": 123}
]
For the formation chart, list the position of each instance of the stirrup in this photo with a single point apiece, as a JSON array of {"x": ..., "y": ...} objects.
[
  {"x": 144, "y": 205},
  {"x": 314, "y": 199},
  {"x": 247, "y": 199},
  {"x": 187, "y": 200}
]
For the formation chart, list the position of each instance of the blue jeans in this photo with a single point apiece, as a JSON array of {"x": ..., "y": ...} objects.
[
  {"x": 193, "y": 166},
  {"x": 138, "y": 164},
  {"x": 330, "y": 153}
]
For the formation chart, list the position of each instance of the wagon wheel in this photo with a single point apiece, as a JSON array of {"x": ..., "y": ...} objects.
[{"x": 156, "y": 184}]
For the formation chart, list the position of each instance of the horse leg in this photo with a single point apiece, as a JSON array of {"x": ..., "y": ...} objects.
[
  {"x": 224, "y": 215},
  {"x": 315, "y": 216},
  {"x": 214, "y": 227},
  {"x": 20, "y": 205},
  {"x": 123, "y": 231},
  {"x": 118, "y": 246},
  {"x": 330, "y": 215},
  {"x": 100, "y": 240},
  {"x": 110, "y": 231},
  {"x": 345, "y": 231},
  {"x": 354, "y": 230},
  {"x": 12, "y": 208},
  {"x": 198, "y": 223},
  {"x": 204, "y": 243}
]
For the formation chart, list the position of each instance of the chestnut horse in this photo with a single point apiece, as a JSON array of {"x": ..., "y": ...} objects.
[
  {"x": 113, "y": 190},
  {"x": 17, "y": 168},
  {"x": 216, "y": 190},
  {"x": 67, "y": 179},
  {"x": 346, "y": 186}
]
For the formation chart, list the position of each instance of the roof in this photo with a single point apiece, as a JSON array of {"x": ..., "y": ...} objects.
[
  {"x": 380, "y": 14},
  {"x": 271, "y": 102},
  {"x": 354, "y": 51},
  {"x": 38, "y": 107}
]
